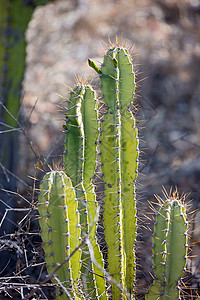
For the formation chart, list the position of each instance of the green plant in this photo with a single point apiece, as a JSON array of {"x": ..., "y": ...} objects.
[
  {"x": 80, "y": 155},
  {"x": 170, "y": 244},
  {"x": 60, "y": 223},
  {"x": 111, "y": 133},
  {"x": 119, "y": 163},
  {"x": 14, "y": 18}
]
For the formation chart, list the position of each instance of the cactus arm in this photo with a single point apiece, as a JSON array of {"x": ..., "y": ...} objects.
[
  {"x": 119, "y": 158},
  {"x": 107, "y": 81},
  {"x": 87, "y": 112},
  {"x": 159, "y": 250},
  {"x": 73, "y": 153},
  {"x": 129, "y": 165},
  {"x": 14, "y": 19},
  {"x": 73, "y": 159},
  {"x": 109, "y": 148},
  {"x": 81, "y": 135},
  {"x": 59, "y": 221},
  {"x": 111, "y": 213},
  {"x": 159, "y": 245},
  {"x": 170, "y": 250},
  {"x": 177, "y": 249},
  {"x": 127, "y": 83},
  {"x": 90, "y": 127},
  {"x": 73, "y": 156}
]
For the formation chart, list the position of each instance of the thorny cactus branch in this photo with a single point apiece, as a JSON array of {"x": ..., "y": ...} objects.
[
  {"x": 59, "y": 221},
  {"x": 170, "y": 248},
  {"x": 119, "y": 163},
  {"x": 79, "y": 159}
]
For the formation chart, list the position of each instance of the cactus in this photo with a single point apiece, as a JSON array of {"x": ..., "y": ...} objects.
[
  {"x": 14, "y": 18},
  {"x": 59, "y": 221},
  {"x": 169, "y": 249},
  {"x": 80, "y": 162},
  {"x": 119, "y": 163},
  {"x": 114, "y": 132}
]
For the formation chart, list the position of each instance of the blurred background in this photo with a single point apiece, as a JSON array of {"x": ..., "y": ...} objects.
[{"x": 165, "y": 40}]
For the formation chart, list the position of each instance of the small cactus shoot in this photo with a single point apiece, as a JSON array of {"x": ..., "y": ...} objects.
[
  {"x": 170, "y": 245},
  {"x": 59, "y": 222}
]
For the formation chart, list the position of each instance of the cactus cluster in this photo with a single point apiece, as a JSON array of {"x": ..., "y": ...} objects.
[{"x": 106, "y": 131}]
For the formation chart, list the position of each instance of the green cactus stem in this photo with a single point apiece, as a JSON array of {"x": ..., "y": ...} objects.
[
  {"x": 59, "y": 222},
  {"x": 119, "y": 162},
  {"x": 170, "y": 244},
  {"x": 14, "y": 18},
  {"x": 81, "y": 136}
]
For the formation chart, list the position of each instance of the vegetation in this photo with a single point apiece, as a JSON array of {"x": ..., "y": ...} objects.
[{"x": 69, "y": 207}]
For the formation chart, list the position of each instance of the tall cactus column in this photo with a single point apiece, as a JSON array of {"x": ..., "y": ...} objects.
[
  {"x": 80, "y": 162},
  {"x": 119, "y": 159},
  {"x": 14, "y": 18}
]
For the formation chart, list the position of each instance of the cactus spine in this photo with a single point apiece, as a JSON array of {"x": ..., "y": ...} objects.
[
  {"x": 60, "y": 227},
  {"x": 169, "y": 249}
]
